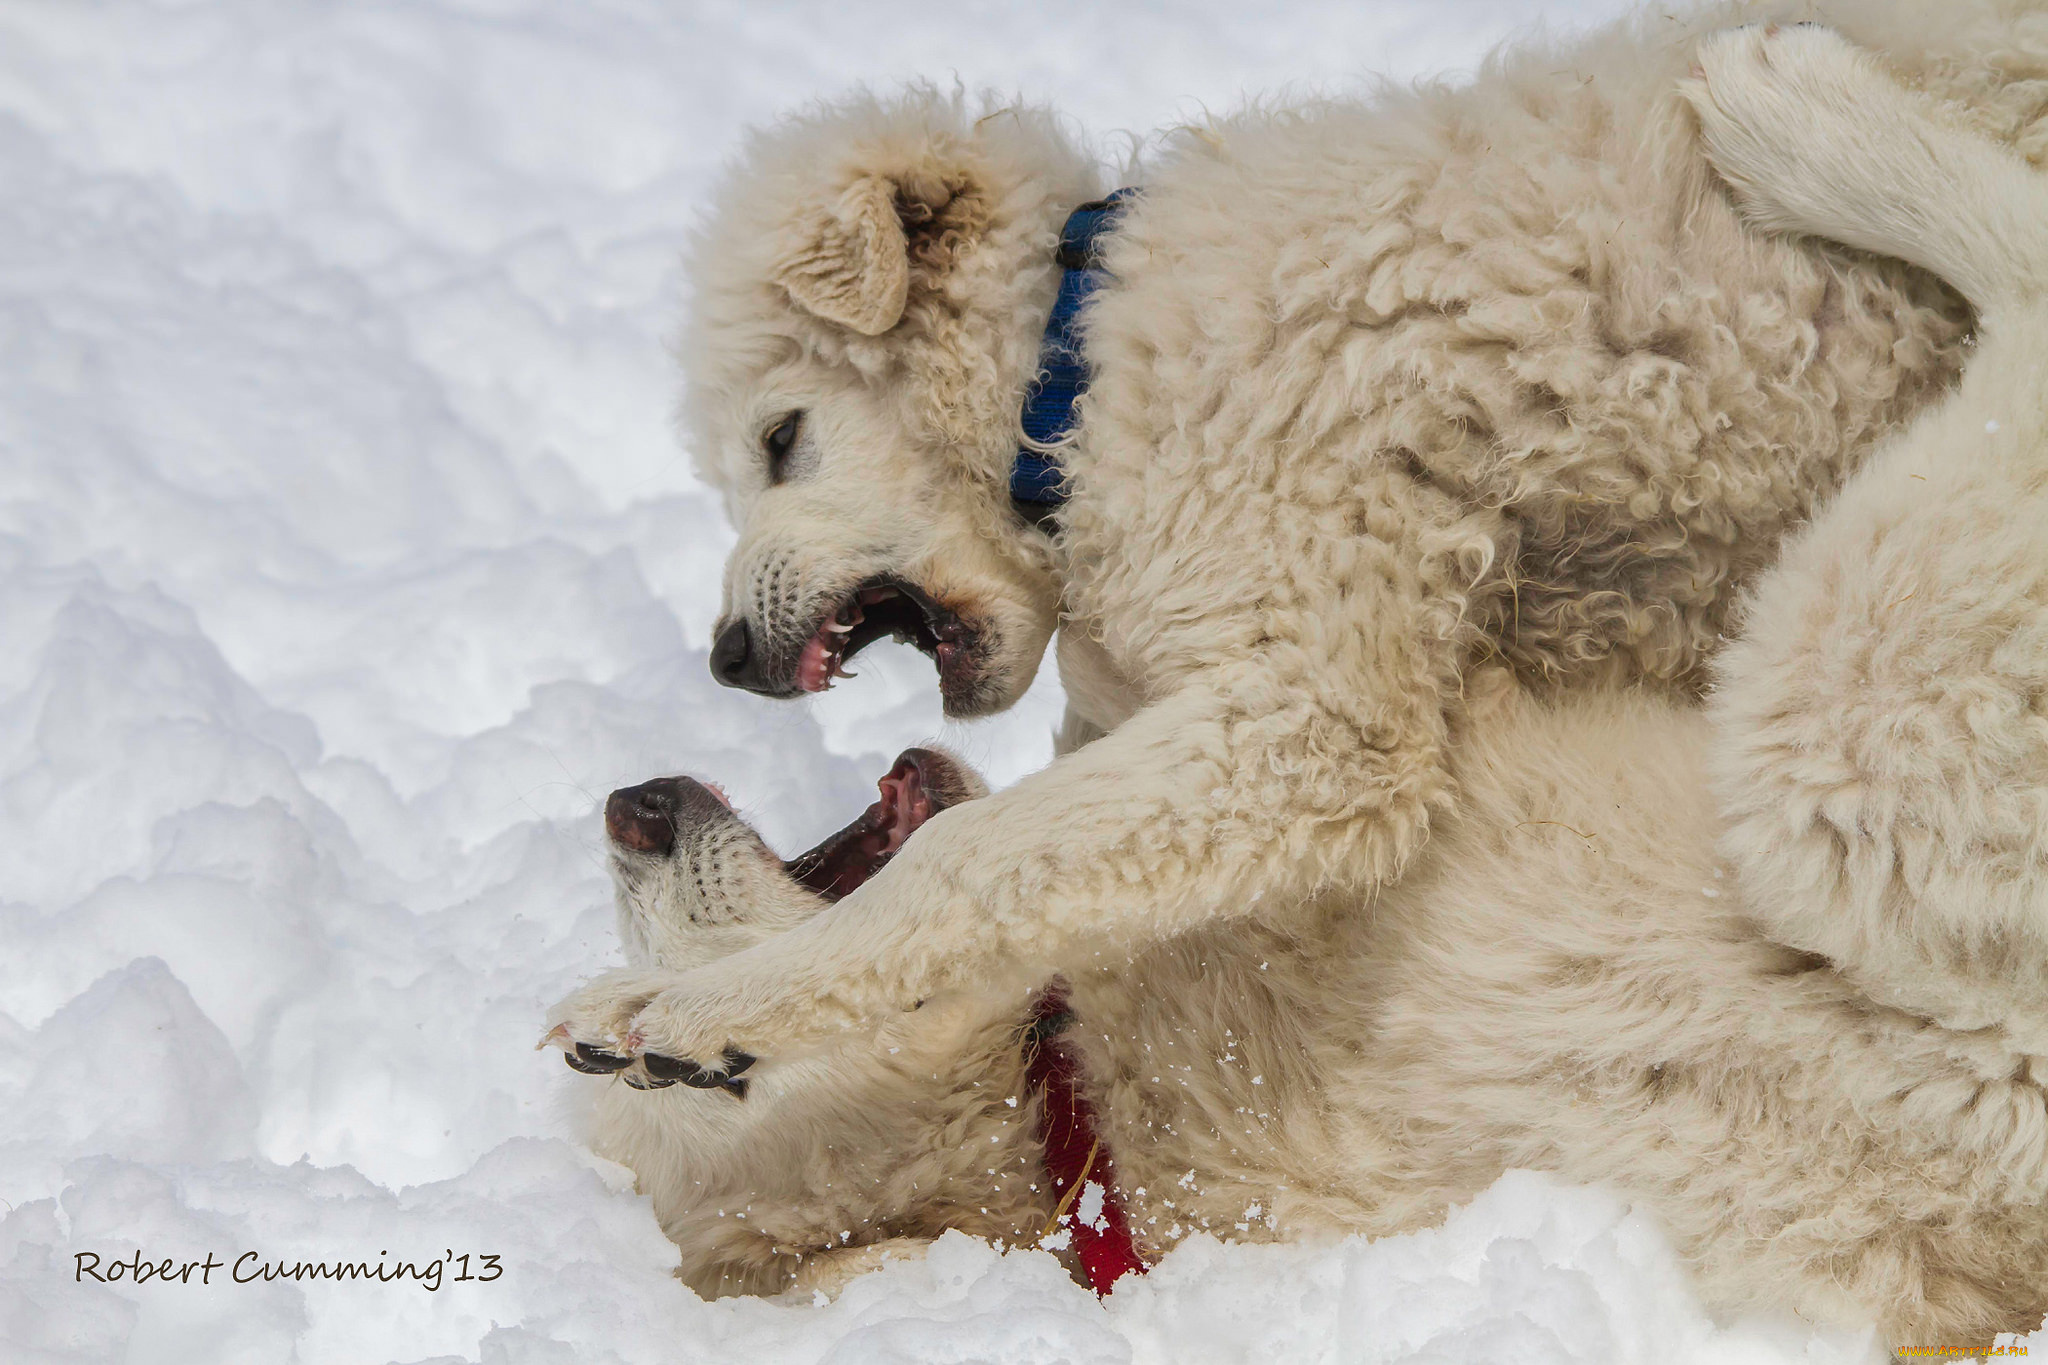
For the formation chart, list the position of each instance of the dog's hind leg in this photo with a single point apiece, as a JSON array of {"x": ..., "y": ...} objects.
[
  {"x": 1814, "y": 137},
  {"x": 1883, "y": 722}
]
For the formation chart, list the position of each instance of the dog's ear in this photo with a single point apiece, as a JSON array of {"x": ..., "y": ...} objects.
[
  {"x": 850, "y": 262},
  {"x": 854, "y": 259}
]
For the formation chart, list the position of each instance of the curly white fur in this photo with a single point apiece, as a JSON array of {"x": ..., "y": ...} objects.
[
  {"x": 1803, "y": 1026},
  {"x": 1381, "y": 391}
]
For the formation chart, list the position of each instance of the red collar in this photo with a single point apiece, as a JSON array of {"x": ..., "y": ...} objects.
[{"x": 1074, "y": 1160}]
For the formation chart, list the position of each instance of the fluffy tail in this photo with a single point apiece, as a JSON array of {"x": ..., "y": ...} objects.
[{"x": 1815, "y": 137}]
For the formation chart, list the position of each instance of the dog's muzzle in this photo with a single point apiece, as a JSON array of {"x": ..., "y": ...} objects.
[{"x": 647, "y": 818}]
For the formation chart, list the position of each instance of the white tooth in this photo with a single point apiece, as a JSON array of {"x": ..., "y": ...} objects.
[{"x": 838, "y": 628}]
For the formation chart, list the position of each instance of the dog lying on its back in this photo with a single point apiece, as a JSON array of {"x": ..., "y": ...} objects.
[
  {"x": 1567, "y": 982},
  {"x": 1806, "y": 1029}
]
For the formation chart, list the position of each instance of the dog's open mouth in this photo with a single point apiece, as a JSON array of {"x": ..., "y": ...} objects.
[
  {"x": 923, "y": 783},
  {"x": 879, "y": 607}
]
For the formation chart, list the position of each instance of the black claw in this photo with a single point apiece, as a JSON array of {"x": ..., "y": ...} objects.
[
  {"x": 594, "y": 1061},
  {"x": 666, "y": 1071},
  {"x": 647, "y": 1082},
  {"x": 697, "y": 1078},
  {"x": 735, "y": 1086}
]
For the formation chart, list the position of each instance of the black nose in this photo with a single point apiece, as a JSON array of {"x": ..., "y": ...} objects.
[
  {"x": 645, "y": 818},
  {"x": 730, "y": 656}
]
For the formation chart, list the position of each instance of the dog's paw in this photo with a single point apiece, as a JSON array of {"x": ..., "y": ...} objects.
[
  {"x": 776, "y": 999},
  {"x": 681, "y": 1023},
  {"x": 600, "y": 1012},
  {"x": 721, "y": 1018},
  {"x": 594, "y": 1027},
  {"x": 1794, "y": 119}
]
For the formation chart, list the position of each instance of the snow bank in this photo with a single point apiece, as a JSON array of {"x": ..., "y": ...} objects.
[{"x": 346, "y": 560}]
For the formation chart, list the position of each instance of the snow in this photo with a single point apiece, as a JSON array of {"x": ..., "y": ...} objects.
[{"x": 347, "y": 558}]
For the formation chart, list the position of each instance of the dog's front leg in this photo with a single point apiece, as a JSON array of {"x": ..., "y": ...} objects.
[
  {"x": 1291, "y": 741},
  {"x": 1233, "y": 790}
]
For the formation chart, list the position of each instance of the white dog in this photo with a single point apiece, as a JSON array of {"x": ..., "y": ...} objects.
[
  {"x": 808, "y": 1173},
  {"x": 1807, "y": 1033},
  {"x": 1379, "y": 392}
]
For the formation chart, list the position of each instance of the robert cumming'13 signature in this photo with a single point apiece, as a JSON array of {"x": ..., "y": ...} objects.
[{"x": 250, "y": 1268}]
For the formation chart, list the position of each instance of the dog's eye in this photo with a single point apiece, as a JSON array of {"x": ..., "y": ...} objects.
[{"x": 780, "y": 440}]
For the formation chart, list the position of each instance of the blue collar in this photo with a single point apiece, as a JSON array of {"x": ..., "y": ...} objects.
[{"x": 1037, "y": 479}]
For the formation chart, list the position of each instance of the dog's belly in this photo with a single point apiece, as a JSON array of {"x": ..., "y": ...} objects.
[{"x": 1567, "y": 982}]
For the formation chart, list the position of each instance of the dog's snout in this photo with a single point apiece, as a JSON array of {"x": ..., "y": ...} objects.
[
  {"x": 732, "y": 661},
  {"x": 646, "y": 818},
  {"x": 642, "y": 818}
]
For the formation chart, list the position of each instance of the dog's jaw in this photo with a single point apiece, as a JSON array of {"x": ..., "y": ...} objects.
[
  {"x": 891, "y": 606},
  {"x": 910, "y": 430},
  {"x": 922, "y": 783},
  {"x": 695, "y": 881}
]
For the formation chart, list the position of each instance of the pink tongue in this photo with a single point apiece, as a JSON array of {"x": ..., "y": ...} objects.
[
  {"x": 841, "y": 864},
  {"x": 904, "y": 806}
]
